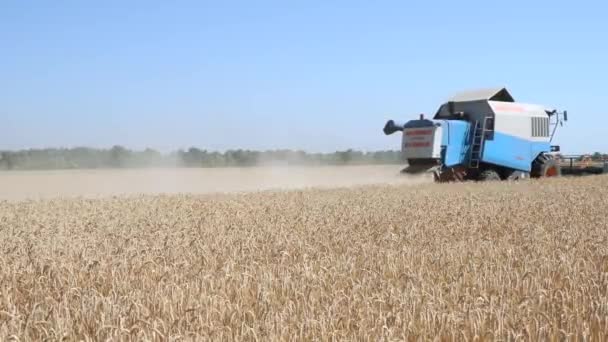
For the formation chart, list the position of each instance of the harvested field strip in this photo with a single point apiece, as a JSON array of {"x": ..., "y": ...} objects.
[{"x": 515, "y": 260}]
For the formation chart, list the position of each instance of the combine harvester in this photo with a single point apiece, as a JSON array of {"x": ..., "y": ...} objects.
[{"x": 483, "y": 135}]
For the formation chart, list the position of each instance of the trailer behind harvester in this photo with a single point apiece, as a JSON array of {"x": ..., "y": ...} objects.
[{"x": 582, "y": 165}]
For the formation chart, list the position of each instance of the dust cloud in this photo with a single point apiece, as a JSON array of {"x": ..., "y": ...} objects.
[{"x": 101, "y": 183}]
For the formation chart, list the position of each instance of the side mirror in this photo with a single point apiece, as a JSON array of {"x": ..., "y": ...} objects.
[{"x": 565, "y": 115}]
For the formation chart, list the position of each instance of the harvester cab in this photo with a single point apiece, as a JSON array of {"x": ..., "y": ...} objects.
[{"x": 481, "y": 135}]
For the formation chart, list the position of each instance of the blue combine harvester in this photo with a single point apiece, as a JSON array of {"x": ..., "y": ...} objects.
[{"x": 482, "y": 135}]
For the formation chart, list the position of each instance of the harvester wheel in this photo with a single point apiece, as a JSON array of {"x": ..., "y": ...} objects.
[
  {"x": 517, "y": 175},
  {"x": 489, "y": 175},
  {"x": 545, "y": 166},
  {"x": 456, "y": 174}
]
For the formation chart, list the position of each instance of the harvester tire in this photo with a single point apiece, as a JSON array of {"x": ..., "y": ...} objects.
[
  {"x": 489, "y": 175},
  {"x": 546, "y": 166},
  {"x": 517, "y": 175}
]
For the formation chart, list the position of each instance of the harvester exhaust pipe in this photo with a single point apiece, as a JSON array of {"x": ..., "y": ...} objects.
[{"x": 392, "y": 127}]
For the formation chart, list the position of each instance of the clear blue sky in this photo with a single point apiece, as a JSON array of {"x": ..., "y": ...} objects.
[{"x": 314, "y": 75}]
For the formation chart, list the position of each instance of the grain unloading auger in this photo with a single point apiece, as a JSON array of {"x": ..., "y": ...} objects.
[{"x": 482, "y": 135}]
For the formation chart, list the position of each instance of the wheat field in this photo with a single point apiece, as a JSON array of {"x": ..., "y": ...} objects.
[{"x": 476, "y": 262}]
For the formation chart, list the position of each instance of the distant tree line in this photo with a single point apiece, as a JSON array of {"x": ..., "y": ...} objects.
[{"x": 121, "y": 157}]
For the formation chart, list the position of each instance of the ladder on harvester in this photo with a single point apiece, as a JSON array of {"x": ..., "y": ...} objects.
[{"x": 480, "y": 131}]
